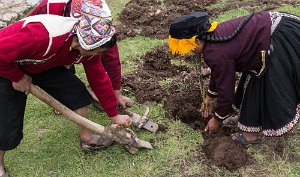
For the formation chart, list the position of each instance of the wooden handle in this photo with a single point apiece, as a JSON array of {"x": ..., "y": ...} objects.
[{"x": 71, "y": 115}]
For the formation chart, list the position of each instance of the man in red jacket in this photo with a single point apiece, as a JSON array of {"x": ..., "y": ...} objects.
[
  {"x": 110, "y": 58},
  {"x": 38, "y": 50}
]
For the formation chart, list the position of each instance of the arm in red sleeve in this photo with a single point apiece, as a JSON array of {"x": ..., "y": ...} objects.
[
  {"x": 101, "y": 85},
  {"x": 224, "y": 78},
  {"x": 112, "y": 65}
]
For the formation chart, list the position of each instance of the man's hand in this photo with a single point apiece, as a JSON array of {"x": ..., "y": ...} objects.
[
  {"x": 123, "y": 101},
  {"x": 122, "y": 120},
  {"x": 23, "y": 85},
  {"x": 212, "y": 126},
  {"x": 207, "y": 106}
]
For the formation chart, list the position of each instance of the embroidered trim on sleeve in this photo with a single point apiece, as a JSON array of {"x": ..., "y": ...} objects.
[
  {"x": 33, "y": 61},
  {"x": 211, "y": 92},
  {"x": 221, "y": 117}
]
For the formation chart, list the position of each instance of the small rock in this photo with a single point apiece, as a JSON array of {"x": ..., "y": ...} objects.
[
  {"x": 2, "y": 24},
  {"x": 19, "y": 9},
  {"x": 157, "y": 12},
  {"x": 9, "y": 16}
]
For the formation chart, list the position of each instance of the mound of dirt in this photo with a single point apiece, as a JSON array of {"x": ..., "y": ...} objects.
[
  {"x": 145, "y": 90},
  {"x": 223, "y": 152},
  {"x": 184, "y": 101},
  {"x": 152, "y": 18},
  {"x": 145, "y": 82}
]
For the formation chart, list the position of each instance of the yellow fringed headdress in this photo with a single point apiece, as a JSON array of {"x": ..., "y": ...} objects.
[{"x": 184, "y": 31}]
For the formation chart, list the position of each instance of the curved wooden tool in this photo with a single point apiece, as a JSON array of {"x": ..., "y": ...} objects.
[{"x": 123, "y": 136}]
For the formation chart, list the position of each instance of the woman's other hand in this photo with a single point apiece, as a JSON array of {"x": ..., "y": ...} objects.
[
  {"x": 212, "y": 126},
  {"x": 123, "y": 101}
]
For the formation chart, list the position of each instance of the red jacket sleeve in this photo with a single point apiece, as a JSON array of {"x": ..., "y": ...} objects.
[
  {"x": 112, "y": 65},
  {"x": 101, "y": 85}
]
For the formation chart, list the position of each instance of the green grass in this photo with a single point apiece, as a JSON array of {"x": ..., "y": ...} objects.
[
  {"x": 166, "y": 83},
  {"x": 232, "y": 14},
  {"x": 290, "y": 9},
  {"x": 116, "y": 7},
  {"x": 50, "y": 148},
  {"x": 51, "y": 143}
]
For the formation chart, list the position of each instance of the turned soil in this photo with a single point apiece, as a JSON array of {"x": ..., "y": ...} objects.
[
  {"x": 166, "y": 79},
  {"x": 151, "y": 18},
  {"x": 178, "y": 88},
  {"x": 162, "y": 78}
]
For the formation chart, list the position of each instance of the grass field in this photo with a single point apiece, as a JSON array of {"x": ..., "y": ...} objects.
[{"x": 51, "y": 143}]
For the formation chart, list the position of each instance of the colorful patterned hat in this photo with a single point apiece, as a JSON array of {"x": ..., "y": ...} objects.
[
  {"x": 77, "y": 4},
  {"x": 95, "y": 24}
]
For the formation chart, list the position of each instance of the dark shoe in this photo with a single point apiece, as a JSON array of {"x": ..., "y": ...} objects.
[
  {"x": 239, "y": 138},
  {"x": 5, "y": 174},
  {"x": 103, "y": 141}
]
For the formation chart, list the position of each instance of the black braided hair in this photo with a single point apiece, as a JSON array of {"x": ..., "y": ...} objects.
[{"x": 211, "y": 38}]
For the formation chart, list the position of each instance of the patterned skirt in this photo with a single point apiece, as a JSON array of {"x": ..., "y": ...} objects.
[{"x": 269, "y": 103}]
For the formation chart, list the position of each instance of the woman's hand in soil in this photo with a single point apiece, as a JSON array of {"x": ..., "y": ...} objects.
[
  {"x": 212, "y": 126},
  {"x": 207, "y": 106},
  {"x": 123, "y": 101},
  {"x": 121, "y": 120},
  {"x": 23, "y": 85}
]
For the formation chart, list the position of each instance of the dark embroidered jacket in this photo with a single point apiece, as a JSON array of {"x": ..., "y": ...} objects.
[{"x": 246, "y": 52}]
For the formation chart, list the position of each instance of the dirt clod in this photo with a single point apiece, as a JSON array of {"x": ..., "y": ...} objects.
[
  {"x": 223, "y": 152},
  {"x": 162, "y": 128}
]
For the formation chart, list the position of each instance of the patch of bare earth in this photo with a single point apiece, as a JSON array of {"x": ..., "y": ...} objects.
[
  {"x": 222, "y": 151},
  {"x": 182, "y": 100},
  {"x": 152, "y": 18},
  {"x": 181, "y": 96},
  {"x": 156, "y": 67}
]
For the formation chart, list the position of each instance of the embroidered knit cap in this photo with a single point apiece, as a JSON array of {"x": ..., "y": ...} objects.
[
  {"x": 76, "y": 6},
  {"x": 184, "y": 30},
  {"x": 95, "y": 24}
]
